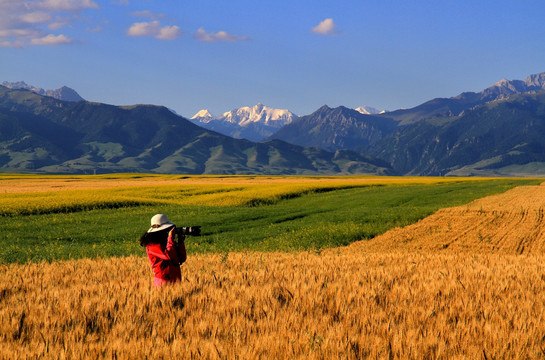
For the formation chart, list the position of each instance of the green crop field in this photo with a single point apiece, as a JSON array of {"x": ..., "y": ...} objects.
[{"x": 306, "y": 213}]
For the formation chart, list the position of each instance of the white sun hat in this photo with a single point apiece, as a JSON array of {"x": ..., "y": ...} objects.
[{"x": 159, "y": 222}]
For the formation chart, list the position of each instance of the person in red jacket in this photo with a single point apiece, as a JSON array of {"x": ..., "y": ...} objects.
[{"x": 164, "y": 252}]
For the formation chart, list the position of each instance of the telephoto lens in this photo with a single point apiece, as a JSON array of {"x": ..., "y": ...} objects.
[{"x": 190, "y": 230}]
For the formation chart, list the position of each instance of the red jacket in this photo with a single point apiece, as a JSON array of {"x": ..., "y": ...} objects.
[{"x": 165, "y": 262}]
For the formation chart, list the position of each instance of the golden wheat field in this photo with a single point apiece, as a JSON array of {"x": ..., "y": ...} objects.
[
  {"x": 35, "y": 194},
  {"x": 337, "y": 304},
  {"x": 465, "y": 283}
]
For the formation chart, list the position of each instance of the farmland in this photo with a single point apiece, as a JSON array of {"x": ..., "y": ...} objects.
[
  {"x": 250, "y": 305},
  {"x": 399, "y": 294},
  {"x": 509, "y": 223},
  {"x": 51, "y": 218}
]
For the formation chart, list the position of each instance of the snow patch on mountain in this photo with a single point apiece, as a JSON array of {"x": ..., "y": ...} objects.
[
  {"x": 203, "y": 116},
  {"x": 368, "y": 110},
  {"x": 253, "y": 123},
  {"x": 246, "y": 115}
]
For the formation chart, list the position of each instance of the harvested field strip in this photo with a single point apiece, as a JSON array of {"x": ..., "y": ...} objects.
[
  {"x": 332, "y": 304},
  {"x": 511, "y": 223}
]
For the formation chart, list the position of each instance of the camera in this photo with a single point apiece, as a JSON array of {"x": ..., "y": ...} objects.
[{"x": 190, "y": 230}]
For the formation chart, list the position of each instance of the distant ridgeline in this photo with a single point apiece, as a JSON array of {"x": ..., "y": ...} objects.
[
  {"x": 499, "y": 131},
  {"x": 42, "y": 134},
  {"x": 63, "y": 93}
]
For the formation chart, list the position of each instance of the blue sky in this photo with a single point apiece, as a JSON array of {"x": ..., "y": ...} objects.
[{"x": 298, "y": 55}]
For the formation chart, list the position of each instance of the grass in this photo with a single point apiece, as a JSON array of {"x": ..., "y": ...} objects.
[{"x": 263, "y": 220}]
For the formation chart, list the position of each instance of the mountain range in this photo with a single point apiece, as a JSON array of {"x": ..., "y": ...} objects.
[
  {"x": 252, "y": 123},
  {"x": 63, "y": 93},
  {"x": 455, "y": 105},
  {"x": 336, "y": 129},
  {"x": 45, "y": 135},
  {"x": 504, "y": 137},
  {"x": 497, "y": 131}
]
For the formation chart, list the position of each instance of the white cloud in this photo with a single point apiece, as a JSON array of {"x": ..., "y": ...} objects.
[
  {"x": 326, "y": 27},
  {"x": 144, "y": 29},
  {"x": 220, "y": 36},
  {"x": 169, "y": 33},
  {"x": 36, "y": 17},
  {"x": 154, "y": 29},
  {"x": 24, "y": 23},
  {"x": 67, "y": 5},
  {"x": 52, "y": 40},
  {"x": 17, "y": 37},
  {"x": 14, "y": 44},
  {"x": 58, "y": 24}
]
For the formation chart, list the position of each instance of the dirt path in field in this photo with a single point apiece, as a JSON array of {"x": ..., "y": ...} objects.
[{"x": 512, "y": 222}]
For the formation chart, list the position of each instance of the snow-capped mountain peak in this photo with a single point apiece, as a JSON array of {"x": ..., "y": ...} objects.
[
  {"x": 253, "y": 123},
  {"x": 259, "y": 113},
  {"x": 368, "y": 110},
  {"x": 203, "y": 116}
]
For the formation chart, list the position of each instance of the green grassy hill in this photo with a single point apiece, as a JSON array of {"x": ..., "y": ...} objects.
[
  {"x": 41, "y": 134},
  {"x": 503, "y": 137}
]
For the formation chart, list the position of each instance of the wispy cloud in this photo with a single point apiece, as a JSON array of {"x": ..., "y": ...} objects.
[
  {"x": 52, "y": 40},
  {"x": 67, "y": 5},
  {"x": 60, "y": 22},
  {"x": 154, "y": 29},
  {"x": 148, "y": 14},
  {"x": 25, "y": 23},
  {"x": 220, "y": 36},
  {"x": 36, "y": 17},
  {"x": 326, "y": 27}
]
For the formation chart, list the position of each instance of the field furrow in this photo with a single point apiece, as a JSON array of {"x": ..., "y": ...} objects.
[{"x": 511, "y": 222}]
